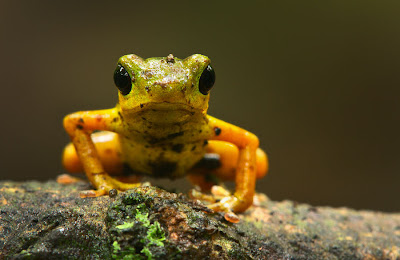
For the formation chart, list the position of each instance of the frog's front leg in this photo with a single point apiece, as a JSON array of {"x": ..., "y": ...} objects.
[
  {"x": 79, "y": 126},
  {"x": 246, "y": 168}
]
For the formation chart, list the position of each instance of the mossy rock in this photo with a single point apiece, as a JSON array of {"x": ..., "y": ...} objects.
[{"x": 50, "y": 221}]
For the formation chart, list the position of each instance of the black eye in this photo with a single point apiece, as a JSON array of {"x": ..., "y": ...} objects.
[
  {"x": 207, "y": 80},
  {"x": 122, "y": 80}
]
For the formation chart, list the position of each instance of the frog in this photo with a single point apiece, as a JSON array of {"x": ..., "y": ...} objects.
[{"x": 160, "y": 128}]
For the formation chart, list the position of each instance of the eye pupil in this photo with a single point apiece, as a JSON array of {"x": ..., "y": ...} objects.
[
  {"x": 122, "y": 80},
  {"x": 207, "y": 80}
]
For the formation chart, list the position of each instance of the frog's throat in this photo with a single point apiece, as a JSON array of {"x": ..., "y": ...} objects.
[
  {"x": 164, "y": 112},
  {"x": 164, "y": 106}
]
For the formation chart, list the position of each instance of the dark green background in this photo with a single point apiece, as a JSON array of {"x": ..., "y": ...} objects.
[{"x": 317, "y": 81}]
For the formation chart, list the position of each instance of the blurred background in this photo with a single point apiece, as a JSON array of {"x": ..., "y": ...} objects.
[{"x": 317, "y": 81}]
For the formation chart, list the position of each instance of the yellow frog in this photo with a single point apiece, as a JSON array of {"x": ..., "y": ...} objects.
[{"x": 160, "y": 128}]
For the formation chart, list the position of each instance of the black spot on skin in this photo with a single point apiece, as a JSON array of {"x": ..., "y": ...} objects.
[
  {"x": 177, "y": 148},
  {"x": 200, "y": 131},
  {"x": 120, "y": 115},
  {"x": 127, "y": 170},
  {"x": 115, "y": 119},
  {"x": 147, "y": 88},
  {"x": 153, "y": 140},
  {"x": 217, "y": 131},
  {"x": 141, "y": 105},
  {"x": 210, "y": 161},
  {"x": 81, "y": 120},
  {"x": 194, "y": 147},
  {"x": 79, "y": 126},
  {"x": 172, "y": 136},
  {"x": 143, "y": 118},
  {"x": 205, "y": 142},
  {"x": 163, "y": 168}
]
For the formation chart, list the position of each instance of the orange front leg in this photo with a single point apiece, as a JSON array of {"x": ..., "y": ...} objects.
[
  {"x": 79, "y": 126},
  {"x": 108, "y": 148},
  {"x": 246, "y": 169}
]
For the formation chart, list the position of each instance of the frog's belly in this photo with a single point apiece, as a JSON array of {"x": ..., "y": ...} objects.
[{"x": 166, "y": 160}]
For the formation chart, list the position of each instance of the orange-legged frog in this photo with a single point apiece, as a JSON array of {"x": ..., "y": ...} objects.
[{"x": 160, "y": 128}]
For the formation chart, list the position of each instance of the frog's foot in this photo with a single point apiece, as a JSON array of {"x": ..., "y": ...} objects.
[
  {"x": 228, "y": 205},
  {"x": 221, "y": 201},
  {"x": 108, "y": 186},
  {"x": 91, "y": 193},
  {"x": 217, "y": 193},
  {"x": 196, "y": 194}
]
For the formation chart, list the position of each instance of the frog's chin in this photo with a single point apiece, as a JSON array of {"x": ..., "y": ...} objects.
[{"x": 164, "y": 112}]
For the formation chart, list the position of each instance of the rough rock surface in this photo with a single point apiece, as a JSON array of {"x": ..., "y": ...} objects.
[{"x": 50, "y": 221}]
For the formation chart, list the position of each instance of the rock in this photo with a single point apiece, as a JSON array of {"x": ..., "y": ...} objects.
[{"x": 50, "y": 221}]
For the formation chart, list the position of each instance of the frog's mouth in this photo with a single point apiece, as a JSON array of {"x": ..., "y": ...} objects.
[{"x": 165, "y": 112}]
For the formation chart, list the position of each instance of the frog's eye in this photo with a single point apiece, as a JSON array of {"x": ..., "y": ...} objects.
[
  {"x": 122, "y": 80},
  {"x": 207, "y": 80}
]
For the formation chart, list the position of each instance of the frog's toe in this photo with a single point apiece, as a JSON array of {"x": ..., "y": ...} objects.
[
  {"x": 110, "y": 186},
  {"x": 92, "y": 193},
  {"x": 217, "y": 193},
  {"x": 231, "y": 217},
  {"x": 220, "y": 192},
  {"x": 122, "y": 186},
  {"x": 198, "y": 195},
  {"x": 227, "y": 204}
]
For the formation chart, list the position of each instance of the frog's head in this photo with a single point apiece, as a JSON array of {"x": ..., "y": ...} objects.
[{"x": 164, "y": 84}]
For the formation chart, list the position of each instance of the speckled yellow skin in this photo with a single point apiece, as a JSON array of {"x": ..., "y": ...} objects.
[{"x": 161, "y": 128}]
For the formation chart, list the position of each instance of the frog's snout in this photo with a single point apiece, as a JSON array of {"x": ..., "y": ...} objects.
[{"x": 167, "y": 90}]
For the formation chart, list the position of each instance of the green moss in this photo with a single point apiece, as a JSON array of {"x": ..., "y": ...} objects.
[
  {"x": 142, "y": 215},
  {"x": 126, "y": 254},
  {"x": 126, "y": 225},
  {"x": 25, "y": 254},
  {"x": 137, "y": 237},
  {"x": 155, "y": 235}
]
